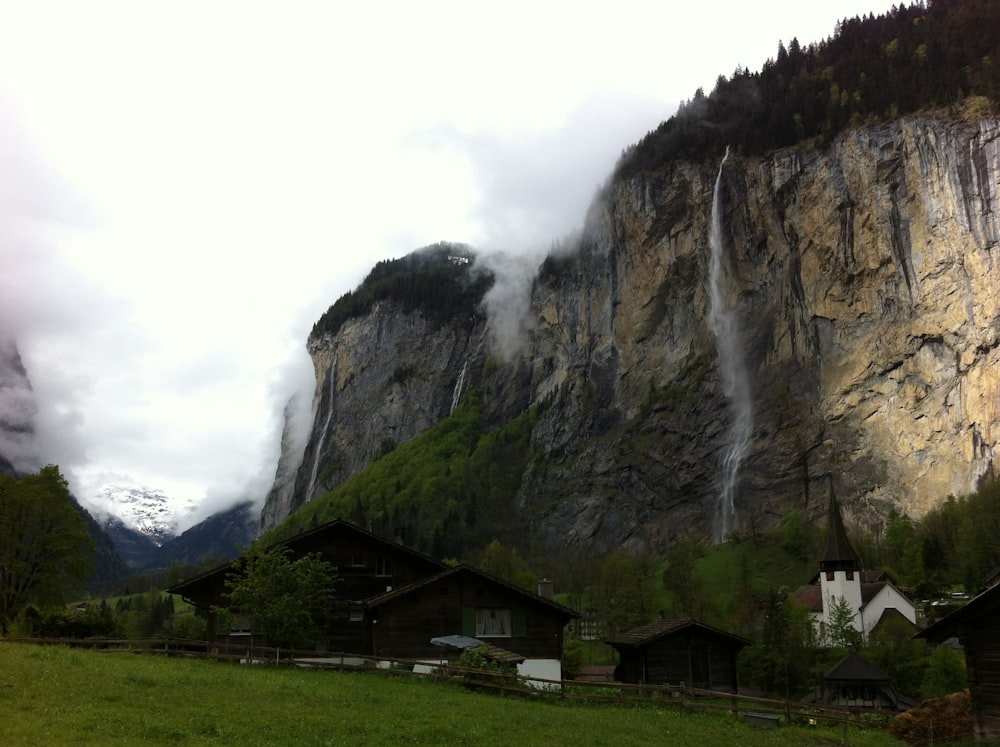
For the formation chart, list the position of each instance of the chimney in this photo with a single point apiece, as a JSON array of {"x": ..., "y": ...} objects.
[{"x": 545, "y": 588}]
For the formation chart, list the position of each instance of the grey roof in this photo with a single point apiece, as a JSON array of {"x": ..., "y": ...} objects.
[
  {"x": 855, "y": 668},
  {"x": 983, "y": 607},
  {"x": 467, "y": 643},
  {"x": 650, "y": 632},
  {"x": 402, "y": 591},
  {"x": 838, "y": 553}
]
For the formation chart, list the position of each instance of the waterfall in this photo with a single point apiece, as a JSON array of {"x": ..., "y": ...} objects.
[
  {"x": 332, "y": 375},
  {"x": 732, "y": 367},
  {"x": 457, "y": 394}
]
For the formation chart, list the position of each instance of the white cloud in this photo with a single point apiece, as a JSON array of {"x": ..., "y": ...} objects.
[{"x": 185, "y": 188}]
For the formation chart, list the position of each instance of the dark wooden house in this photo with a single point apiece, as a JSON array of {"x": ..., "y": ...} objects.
[
  {"x": 977, "y": 627},
  {"x": 392, "y": 600},
  {"x": 854, "y": 682},
  {"x": 675, "y": 651}
]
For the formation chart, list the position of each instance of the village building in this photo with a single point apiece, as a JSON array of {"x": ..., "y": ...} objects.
[
  {"x": 870, "y": 595},
  {"x": 679, "y": 651},
  {"x": 854, "y": 682},
  {"x": 392, "y": 600},
  {"x": 977, "y": 627}
]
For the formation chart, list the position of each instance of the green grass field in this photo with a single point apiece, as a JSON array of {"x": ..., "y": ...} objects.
[{"x": 53, "y": 696}]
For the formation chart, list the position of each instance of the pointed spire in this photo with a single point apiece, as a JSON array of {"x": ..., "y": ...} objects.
[{"x": 838, "y": 554}]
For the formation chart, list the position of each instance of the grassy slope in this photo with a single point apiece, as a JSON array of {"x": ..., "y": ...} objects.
[{"x": 54, "y": 696}]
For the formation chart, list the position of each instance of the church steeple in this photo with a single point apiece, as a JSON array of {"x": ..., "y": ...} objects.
[{"x": 838, "y": 554}]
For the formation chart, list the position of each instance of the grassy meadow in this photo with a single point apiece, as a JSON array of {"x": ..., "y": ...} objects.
[{"x": 54, "y": 696}]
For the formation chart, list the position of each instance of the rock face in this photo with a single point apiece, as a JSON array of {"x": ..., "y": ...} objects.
[{"x": 868, "y": 304}]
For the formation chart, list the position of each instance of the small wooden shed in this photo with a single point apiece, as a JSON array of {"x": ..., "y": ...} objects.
[
  {"x": 855, "y": 682},
  {"x": 977, "y": 627},
  {"x": 674, "y": 651}
]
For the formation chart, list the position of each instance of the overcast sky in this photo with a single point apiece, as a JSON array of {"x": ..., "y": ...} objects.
[{"x": 185, "y": 187}]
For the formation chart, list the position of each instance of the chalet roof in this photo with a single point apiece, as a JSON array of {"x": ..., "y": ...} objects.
[
  {"x": 838, "y": 553},
  {"x": 389, "y": 596},
  {"x": 855, "y": 668},
  {"x": 985, "y": 606},
  {"x": 646, "y": 634},
  {"x": 810, "y": 597},
  {"x": 304, "y": 538}
]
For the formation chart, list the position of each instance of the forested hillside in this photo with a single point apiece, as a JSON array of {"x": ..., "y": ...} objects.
[{"x": 920, "y": 56}]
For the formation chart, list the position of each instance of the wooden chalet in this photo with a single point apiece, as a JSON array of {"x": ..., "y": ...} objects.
[
  {"x": 392, "y": 600},
  {"x": 675, "y": 651},
  {"x": 977, "y": 627}
]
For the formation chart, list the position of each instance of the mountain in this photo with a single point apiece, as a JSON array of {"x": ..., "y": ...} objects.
[
  {"x": 145, "y": 511},
  {"x": 726, "y": 340},
  {"x": 222, "y": 536}
]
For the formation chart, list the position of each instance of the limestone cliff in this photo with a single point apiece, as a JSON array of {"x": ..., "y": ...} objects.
[{"x": 869, "y": 308}]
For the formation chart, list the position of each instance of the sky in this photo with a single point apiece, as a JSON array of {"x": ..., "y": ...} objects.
[{"x": 185, "y": 187}]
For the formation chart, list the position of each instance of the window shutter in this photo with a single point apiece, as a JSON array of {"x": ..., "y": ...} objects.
[
  {"x": 518, "y": 623},
  {"x": 469, "y": 621}
]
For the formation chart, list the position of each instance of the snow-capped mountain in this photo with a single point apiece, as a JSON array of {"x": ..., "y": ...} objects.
[{"x": 147, "y": 511}]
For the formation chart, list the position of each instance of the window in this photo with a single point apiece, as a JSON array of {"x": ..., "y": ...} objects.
[
  {"x": 492, "y": 622},
  {"x": 383, "y": 566},
  {"x": 357, "y": 615},
  {"x": 850, "y": 575},
  {"x": 357, "y": 560}
]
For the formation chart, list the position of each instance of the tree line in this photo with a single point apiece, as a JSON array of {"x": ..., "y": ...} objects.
[
  {"x": 933, "y": 55},
  {"x": 425, "y": 280}
]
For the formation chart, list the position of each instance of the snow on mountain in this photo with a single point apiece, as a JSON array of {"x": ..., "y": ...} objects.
[{"x": 149, "y": 512}]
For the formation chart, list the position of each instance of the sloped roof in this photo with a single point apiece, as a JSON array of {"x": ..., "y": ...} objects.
[
  {"x": 855, "y": 668},
  {"x": 986, "y": 605},
  {"x": 305, "y": 537},
  {"x": 810, "y": 597},
  {"x": 467, "y": 643},
  {"x": 402, "y": 591},
  {"x": 646, "y": 634},
  {"x": 838, "y": 553}
]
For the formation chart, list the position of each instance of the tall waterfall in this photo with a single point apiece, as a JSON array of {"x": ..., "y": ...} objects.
[
  {"x": 332, "y": 375},
  {"x": 732, "y": 367},
  {"x": 456, "y": 395}
]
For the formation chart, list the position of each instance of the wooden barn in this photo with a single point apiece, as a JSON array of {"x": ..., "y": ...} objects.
[
  {"x": 675, "y": 651},
  {"x": 977, "y": 627},
  {"x": 392, "y": 600}
]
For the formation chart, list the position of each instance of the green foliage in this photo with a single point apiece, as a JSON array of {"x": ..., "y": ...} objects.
[
  {"x": 58, "y": 697},
  {"x": 913, "y": 57},
  {"x": 451, "y": 489},
  {"x": 290, "y": 598},
  {"x": 627, "y": 592},
  {"x": 424, "y": 280},
  {"x": 507, "y": 563},
  {"x": 893, "y": 649},
  {"x": 46, "y": 551},
  {"x": 684, "y": 582},
  {"x": 841, "y": 625},
  {"x": 946, "y": 673},
  {"x": 501, "y": 672},
  {"x": 781, "y": 661}
]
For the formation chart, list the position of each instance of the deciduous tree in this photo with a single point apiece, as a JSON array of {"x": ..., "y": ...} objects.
[
  {"x": 46, "y": 552},
  {"x": 291, "y": 599}
]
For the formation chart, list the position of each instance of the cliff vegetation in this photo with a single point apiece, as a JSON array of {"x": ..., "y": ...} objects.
[
  {"x": 427, "y": 280},
  {"x": 920, "y": 56}
]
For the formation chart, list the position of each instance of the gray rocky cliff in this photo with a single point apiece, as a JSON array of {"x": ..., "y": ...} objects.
[{"x": 863, "y": 280}]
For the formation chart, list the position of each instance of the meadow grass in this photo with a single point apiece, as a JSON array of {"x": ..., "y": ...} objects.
[{"x": 53, "y": 696}]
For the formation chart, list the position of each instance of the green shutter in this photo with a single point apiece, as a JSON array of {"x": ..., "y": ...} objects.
[
  {"x": 518, "y": 623},
  {"x": 468, "y": 621}
]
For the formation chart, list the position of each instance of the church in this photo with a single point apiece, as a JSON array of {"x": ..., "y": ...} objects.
[{"x": 870, "y": 595}]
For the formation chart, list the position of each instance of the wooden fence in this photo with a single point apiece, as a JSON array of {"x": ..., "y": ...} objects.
[{"x": 752, "y": 709}]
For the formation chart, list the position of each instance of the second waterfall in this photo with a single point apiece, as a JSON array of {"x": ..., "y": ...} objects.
[{"x": 732, "y": 368}]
